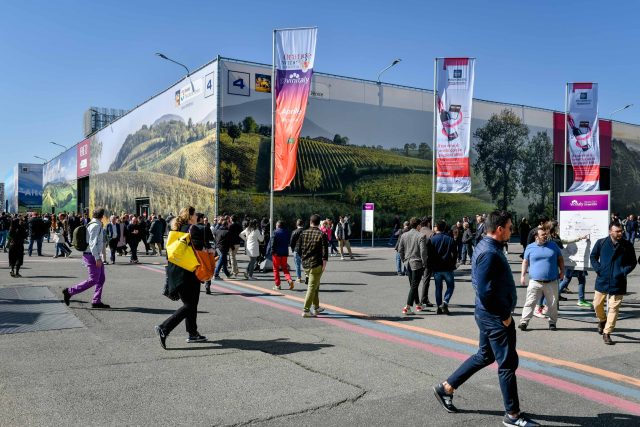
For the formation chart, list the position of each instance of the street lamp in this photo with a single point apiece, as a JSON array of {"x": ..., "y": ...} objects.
[
  {"x": 396, "y": 61},
  {"x": 41, "y": 158},
  {"x": 620, "y": 109},
  {"x": 59, "y": 145},
  {"x": 163, "y": 56}
]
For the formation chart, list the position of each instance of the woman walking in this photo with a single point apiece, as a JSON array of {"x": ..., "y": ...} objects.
[
  {"x": 252, "y": 237},
  {"x": 185, "y": 282},
  {"x": 17, "y": 236}
]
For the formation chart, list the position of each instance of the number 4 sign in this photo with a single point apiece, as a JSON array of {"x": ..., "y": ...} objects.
[
  {"x": 238, "y": 83},
  {"x": 209, "y": 85}
]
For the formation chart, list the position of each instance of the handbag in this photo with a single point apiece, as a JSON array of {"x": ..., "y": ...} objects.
[
  {"x": 181, "y": 253},
  {"x": 173, "y": 295},
  {"x": 204, "y": 271}
]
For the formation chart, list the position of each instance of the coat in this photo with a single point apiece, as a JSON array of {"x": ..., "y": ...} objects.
[
  {"x": 253, "y": 238},
  {"x": 178, "y": 277},
  {"x": 612, "y": 265},
  {"x": 156, "y": 232}
]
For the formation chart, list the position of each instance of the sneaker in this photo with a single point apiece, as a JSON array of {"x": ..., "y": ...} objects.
[
  {"x": 299, "y": 280},
  {"x": 538, "y": 312},
  {"x": 341, "y": 258},
  {"x": 277, "y": 288},
  {"x": 567, "y": 291},
  {"x": 552, "y": 327},
  {"x": 521, "y": 421},
  {"x": 196, "y": 338},
  {"x": 544, "y": 310},
  {"x": 291, "y": 284},
  {"x": 418, "y": 308},
  {"x": 100, "y": 305},
  {"x": 446, "y": 400},
  {"x": 308, "y": 314},
  {"x": 428, "y": 304},
  {"x": 522, "y": 326},
  {"x": 439, "y": 310},
  {"x": 17, "y": 275},
  {"x": 424, "y": 306},
  {"x": 561, "y": 298},
  {"x": 583, "y": 303},
  {"x": 445, "y": 309},
  {"x": 318, "y": 310},
  {"x": 66, "y": 296},
  {"x": 407, "y": 311},
  {"x": 162, "y": 335}
]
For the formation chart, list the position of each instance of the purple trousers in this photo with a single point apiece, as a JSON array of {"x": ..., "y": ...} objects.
[{"x": 96, "y": 278}]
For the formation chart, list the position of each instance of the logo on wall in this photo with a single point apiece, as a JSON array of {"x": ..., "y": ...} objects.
[
  {"x": 238, "y": 83},
  {"x": 263, "y": 83},
  {"x": 457, "y": 74}
]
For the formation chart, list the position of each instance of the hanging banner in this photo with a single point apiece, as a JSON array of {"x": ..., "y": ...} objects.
[
  {"x": 295, "y": 52},
  {"x": 455, "y": 94},
  {"x": 584, "y": 143}
]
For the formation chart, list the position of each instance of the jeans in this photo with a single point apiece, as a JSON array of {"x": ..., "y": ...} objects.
[
  {"x": 438, "y": 277},
  {"x": 459, "y": 246},
  {"x": 414, "y": 283},
  {"x": 400, "y": 268},
  {"x": 280, "y": 262},
  {"x": 467, "y": 250},
  {"x": 38, "y": 240},
  {"x": 3, "y": 238},
  {"x": 96, "y": 278},
  {"x": 222, "y": 264},
  {"x": 189, "y": 295},
  {"x": 630, "y": 236},
  {"x": 62, "y": 249},
  {"x": 134, "y": 249},
  {"x": 313, "y": 288},
  {"x": 297, "y": 260},
  {"x": 113, "y": 245},
  {"x": 580, "y": 275},
  {"x": 252, "y": 265},
  {"x": 497, "y": 343}
]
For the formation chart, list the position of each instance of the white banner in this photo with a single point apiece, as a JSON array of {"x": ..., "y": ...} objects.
[
  {"x": 584, "y": 142},
  {"x": 455, "y": 94}
]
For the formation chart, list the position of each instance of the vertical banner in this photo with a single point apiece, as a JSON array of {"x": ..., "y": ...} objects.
[
  {"x": 83, "y": 156},
  {"x": 453, "y": 134},
  {"x": 584, "y": 143},
  {"x": 367, "y": 216},
  {"x": 294, "y": 53}
]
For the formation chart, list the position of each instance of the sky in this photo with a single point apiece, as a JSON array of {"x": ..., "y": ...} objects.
[{"x": 59, "y": 58}]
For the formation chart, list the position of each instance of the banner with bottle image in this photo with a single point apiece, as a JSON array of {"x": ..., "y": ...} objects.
[
  {"x": 455, "y": 78},
  {"x": 584, "y": 143}
]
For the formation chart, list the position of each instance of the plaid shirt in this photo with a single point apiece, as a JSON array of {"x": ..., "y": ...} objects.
[{"x": 313, "y": 247}]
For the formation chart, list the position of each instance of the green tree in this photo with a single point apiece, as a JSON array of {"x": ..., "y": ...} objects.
[
  {"x": 234, "y": 132},
  {"x": 537, "y": 176},
  {"x": 337, "y": 139},
  {"x": 424, "y": 151},
  {"x": 229, "y": 175},
  {"x": 182, "y": 169},
  {"x": 249, "y": 125},
  {"x": 312, "y": 180},
  {"x": 501, "y": 156}
]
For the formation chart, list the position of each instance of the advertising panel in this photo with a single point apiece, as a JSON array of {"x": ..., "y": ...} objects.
[
  {"x": 60, "y": 185},
  {"x": 29, "y": 187},
  {"x": 295, "y": 54},
  {"x": 83, "y": 158},
  {"x": 455, "y": 78},
  {"x": 367, "y": 216},
  {"x": 163, "y": 150},
  {"x": 11, "y": 191},
  {"x": 582, "y": 214},
  {"x": 584, "y": 142}
]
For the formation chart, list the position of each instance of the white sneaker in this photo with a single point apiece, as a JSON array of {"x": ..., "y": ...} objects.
[
  {"x": 308, "y": 314},
  {"x": 341, "y": 258},
  {"x": 319, "y": 310}
]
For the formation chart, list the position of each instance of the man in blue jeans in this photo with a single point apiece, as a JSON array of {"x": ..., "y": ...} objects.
[
  {"x": 443, "y": 254},
  {"x": 495, "y": 300},
  {"x": 293, "y": 241}
]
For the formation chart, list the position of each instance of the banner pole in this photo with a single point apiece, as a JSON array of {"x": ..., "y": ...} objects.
[
  {"x": 434, "y": 144},
  {"x": 273, "y": 133},
  {"x": 216, "y": 196},
  {"x": 566, "y": 134}
]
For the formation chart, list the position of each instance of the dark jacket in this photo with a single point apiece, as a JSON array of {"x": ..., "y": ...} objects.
[
  {"x": 492, "y": 280},
  {"x": 177, "y": 276},
  {"x": 294, "y": 238},
  {"x": 37, "y": 227},
  {"x": 279, "y": 245},
  {"x": 480, "y": 232},
  {"x": 156, "y": 232},
  {"x": 612, "y": 265},
  {"x": 134, "y": 237},
  {"x": 223, "y": 241},
  {"x": 468, "y": 236},
  {"x": 113, "y": 231},
  {"x": 442, "y": 252},
  {"x": 234, "y": 233}
]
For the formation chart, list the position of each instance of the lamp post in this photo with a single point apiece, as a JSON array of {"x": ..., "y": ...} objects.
[
  {"x": 163, "y": 56},
  {"x": 395, "y": 62},
  {"x": 59, "y": 145},
  {"x": 620, "y": 109},
  {"x": 41, "y": 158}
]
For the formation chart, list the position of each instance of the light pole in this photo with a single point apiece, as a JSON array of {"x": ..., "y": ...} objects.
[
  {"x": 163, "y": 56},
  {"x": 42, "y": 158},
  {"x": 59, "y": 145},
  {"x": 620, "y": 109},
  {"x": 396, "y": 61}
]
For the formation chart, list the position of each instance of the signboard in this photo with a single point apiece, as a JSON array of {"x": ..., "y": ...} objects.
[
  {"x": 263, "y": 83},
  {"x": 83, "y": 158},
  {"x": 238, "y": 83},
  {"x": 584, "y": 141},
  {"x": 580, "y": 214},
  {"x": 367, "y": 216}
]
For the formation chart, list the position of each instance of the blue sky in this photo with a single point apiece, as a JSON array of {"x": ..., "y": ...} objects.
[{"x": 58, "y": 58}]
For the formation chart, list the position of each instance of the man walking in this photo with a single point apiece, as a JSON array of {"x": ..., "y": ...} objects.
[
  {"x": 427, "y": 230},
  {"x": 234, "y": 239},
  {"x": 93, "y": 244},
  {"x": 36, "y": 233},
  {"x": 113, "y": 235},
  {"x": 443, "y": 255},
  {"x": 495, "y": 300},
  {"x": 412, "y": 248},
  {"x": 313, "y": 247},
  {"x": 297, "y": 260},
  {"x": 279, "y": 249},
  {"x": 613, "y": 259},
  {"x": 545, "y": 263}
]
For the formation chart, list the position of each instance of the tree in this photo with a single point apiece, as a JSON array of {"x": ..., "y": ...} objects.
[
  {"x": 182, "y": 169},
  {"x": 312, "y": 180},
  {"x": 229, "y": 175},
  {"x": 537, "y": 176},
  {"x": 406, "y": 149},
  {"x": 249, "y": 125},
  {"x": 234, "y": 132},
  {"x": 501, "y": 156},
  {"x": 424, "y": 151}
]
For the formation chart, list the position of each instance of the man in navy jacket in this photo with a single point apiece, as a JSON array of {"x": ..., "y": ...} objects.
[
  {"x": 495, "y": 300},
  {"x": 613, "y": 258}
]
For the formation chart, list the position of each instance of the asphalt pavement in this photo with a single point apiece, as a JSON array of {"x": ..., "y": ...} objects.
[{"x": 360, "y": 363}]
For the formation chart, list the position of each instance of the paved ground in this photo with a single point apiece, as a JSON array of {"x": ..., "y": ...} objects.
[{"x": 361, "y": 364}]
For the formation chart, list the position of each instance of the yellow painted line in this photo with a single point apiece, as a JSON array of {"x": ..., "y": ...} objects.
[{"x": 527, "y": 354}]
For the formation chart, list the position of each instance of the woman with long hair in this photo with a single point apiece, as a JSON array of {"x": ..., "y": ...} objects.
[
  {"x": 253, "y": 237},
  {"x": 17, "y": 236},
  {"x": 185, "y": 282}
]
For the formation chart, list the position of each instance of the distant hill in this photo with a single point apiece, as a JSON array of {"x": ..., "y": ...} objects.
[{"x": 168, "y": 118}]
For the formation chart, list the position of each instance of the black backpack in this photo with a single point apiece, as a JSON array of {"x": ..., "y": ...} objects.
[{"x": 80, "y": 238}]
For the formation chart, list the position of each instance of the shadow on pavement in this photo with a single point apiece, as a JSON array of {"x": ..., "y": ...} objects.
[
  {"x": 604, "y": 419},
  {"x": 277, "y": 346},
  {"x": 142, "y": 310}
]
